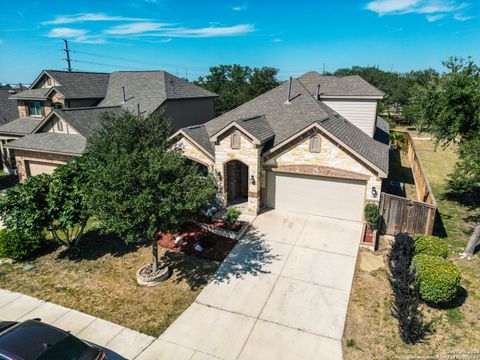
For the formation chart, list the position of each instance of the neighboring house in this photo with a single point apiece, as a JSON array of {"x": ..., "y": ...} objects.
[
  {"x": 8, "y": 113},
  {"x": 61, "y": 109},
  {"x": 312, "y": 145}
]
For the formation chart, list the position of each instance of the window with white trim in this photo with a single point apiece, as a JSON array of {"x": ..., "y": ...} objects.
[
  {"x": 34, "y": 108},
  {"x": 315, "y": 143},
  {"x": 235, "y": 140}
]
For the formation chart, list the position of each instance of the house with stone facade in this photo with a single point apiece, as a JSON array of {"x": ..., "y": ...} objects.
[
  {"x": 59, "y": 111},
  {"x": 314, "y": 145}
]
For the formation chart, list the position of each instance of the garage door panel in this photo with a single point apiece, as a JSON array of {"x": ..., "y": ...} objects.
[
  {"x": 337, "y": 198},
  {"x": 38, "y": 167}
]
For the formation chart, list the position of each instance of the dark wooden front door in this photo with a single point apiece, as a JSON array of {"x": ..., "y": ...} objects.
[{"x": 237, "y": 180}]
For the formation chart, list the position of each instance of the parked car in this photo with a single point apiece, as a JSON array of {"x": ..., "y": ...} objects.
[{"x": 32, "y": 339}]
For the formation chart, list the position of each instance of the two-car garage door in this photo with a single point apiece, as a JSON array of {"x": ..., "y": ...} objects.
[
  {"x": 324, "y": 196},
  {"x": 37, "y": 167}
]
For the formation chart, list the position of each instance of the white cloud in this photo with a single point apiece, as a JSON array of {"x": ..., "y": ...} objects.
[
  {"x": 461, "y": 17},
  {"x": 433, "y": 18},
  {"x": 211, "y": 31},
  {"x": 166, "y": 40},
  {"x": 239, "y": 8},
  {"x": 70, "y": 19},
  {"x": 75, "y": 35},
  {"x": 277, "y": 40},
  {"x": 433, "y": 10},
  {"x": 136, "y": 28}
]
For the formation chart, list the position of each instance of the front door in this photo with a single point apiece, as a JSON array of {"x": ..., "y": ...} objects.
[{"x": 236, "y": 181}]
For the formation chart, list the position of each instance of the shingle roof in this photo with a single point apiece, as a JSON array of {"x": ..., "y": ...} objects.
[
  {"x": 33, "y": 94},
  {"x": 199, "y": 134},
  {"x": 303, "y": 110},
  {"x": 80, "y": 85},
  {"x": 51, "y": 142},
  {"x": 85, "y": 120},
  {"x": 257, "y": 126},
  {"x": 352, "y": 85},
  {"x": 21, "y": 126},
  {"x": 8, "y": 108},
  {"x": 149, "y": 89},
  {"x": 382, "y": 131}
]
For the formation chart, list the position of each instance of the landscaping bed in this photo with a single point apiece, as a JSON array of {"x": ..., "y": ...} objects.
[
  {"x": 215, "y": 247},
  {"x": 371, "y": 330},
  {"x": 100, "y": 280}
]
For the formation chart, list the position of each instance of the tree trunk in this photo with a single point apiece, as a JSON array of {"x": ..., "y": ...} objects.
[
  {"x": 472, "y": 243},
  {"x": 154, "y": 255}
]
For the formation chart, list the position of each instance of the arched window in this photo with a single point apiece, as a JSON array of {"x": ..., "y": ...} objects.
[
  {"x": 235, "y": 139},
  {"x": 315, "y": 143}
]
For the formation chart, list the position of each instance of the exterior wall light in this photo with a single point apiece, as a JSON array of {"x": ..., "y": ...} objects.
[
  {"x": 252, "y": 179},
  {"x": 219, "y": 174},
  {"x": 374, "y": 192}
]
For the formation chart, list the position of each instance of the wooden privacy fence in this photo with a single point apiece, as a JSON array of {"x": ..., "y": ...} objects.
[{"x": 399, "y": 214}]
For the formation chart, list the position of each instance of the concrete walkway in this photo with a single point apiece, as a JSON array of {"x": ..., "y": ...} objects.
[
  {"x": 282, "y": 293},
  {"x": 119, "y": 342}
]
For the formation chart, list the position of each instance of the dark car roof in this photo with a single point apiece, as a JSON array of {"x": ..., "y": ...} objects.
[{"x": 31, "y": 339}]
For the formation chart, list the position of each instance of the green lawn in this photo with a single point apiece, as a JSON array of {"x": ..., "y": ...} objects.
[{"x": 371, "y": 331}]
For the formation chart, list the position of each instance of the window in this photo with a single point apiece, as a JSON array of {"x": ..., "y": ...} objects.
[
  {"x": 235, "y": 140},
  {"x": 59, "y": 125},
  {"x": 35, "y": 108},
  {"x": 57, "y": 105},
  {"x": 315, "y": 143}
]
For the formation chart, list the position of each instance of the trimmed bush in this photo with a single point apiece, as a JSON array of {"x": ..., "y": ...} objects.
[
  {"x": 438, "y": 278},
  {"x": 231, "y": 215},
  {"x": 431, "y": 245},
  {"x": 371, "y": 215},
  {"x": 18, "y": 246}
]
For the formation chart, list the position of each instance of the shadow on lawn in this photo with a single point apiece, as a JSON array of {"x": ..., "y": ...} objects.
[{"x": 95, "y": 244}]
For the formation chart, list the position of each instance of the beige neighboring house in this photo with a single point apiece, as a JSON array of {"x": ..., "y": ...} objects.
[
  {"x": 313, "y": 145},
  {"x": 60, "y": 110}
]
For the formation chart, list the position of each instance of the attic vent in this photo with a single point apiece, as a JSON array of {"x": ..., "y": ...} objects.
[
  {"x": 289, "y": 96},
  {"x": 318, "y": 92}
]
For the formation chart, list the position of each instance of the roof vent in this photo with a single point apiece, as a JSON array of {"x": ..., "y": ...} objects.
[
  {"x": 124, "y": 96},
  {"x": 12, "y": 91},
  {"x": 289, "y": 91},
  {"x": 318, "y": 92}
]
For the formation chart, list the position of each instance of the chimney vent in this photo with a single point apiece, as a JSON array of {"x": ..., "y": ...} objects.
[
  {"x": 123, "y": 91},
  {"x": 318, "y": 92},
  {"x": 289, "y": 91}
]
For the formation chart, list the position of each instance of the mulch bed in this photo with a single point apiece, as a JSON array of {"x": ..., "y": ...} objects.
[{"x": 215, "y": 247}]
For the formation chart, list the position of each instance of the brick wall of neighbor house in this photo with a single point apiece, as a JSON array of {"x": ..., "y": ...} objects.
[
  {"x": 22, "y": 156},
  {"x": 249, "y": 154},
  {"x": 330, "y": 155},
  {"x": 22, "y": 109},
  {"x": 192, "y": 152}
]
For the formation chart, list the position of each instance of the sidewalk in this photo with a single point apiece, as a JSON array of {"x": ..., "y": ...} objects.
[{"x": 119, "y": 342}]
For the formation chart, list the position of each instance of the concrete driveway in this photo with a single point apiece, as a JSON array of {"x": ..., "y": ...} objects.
[{"x": 282, "y": 293}]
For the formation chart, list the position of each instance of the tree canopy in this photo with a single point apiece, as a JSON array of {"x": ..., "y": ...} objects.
[
  {"x": 236, "y": 84},
  {"x": 140, "y": 185}
]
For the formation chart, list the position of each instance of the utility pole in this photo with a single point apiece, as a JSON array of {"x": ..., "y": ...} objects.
[
  {"x": 323, "y": 71},
  {"x": 67, "y": 54}
]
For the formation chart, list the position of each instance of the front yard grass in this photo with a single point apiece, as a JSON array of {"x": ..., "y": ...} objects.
[
  {"x": 370, "y": 325},
  {"x": 100, "y": 280}
]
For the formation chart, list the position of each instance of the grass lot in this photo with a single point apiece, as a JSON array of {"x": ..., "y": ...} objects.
[
  {"x": 100, "y": 280},
  {"x": 371, "y": 332}
]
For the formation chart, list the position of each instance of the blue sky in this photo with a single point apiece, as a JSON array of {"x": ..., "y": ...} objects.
[{"x": 189, "y": 36}]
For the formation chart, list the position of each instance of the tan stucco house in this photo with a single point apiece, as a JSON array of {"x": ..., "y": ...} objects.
[
  {"x": 313, "y": 145},
  {"x": 60, "y": 110}
]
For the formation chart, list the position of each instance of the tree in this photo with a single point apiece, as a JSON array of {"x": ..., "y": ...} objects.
[
  {"x": 68, "y": 208},
  {"x": 448, "y": 107},
  {"x": 140, "y": 185},
  {"x": 236, "y": 84},
  {"x": 55, "y": 202}
]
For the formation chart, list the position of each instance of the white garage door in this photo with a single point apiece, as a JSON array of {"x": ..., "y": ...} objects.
[
  {"x": 337, "y": 198},
  {"x": 37, "y": 167}
]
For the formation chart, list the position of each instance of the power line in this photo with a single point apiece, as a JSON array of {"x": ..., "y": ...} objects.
[{"x": 104, "y": 64}]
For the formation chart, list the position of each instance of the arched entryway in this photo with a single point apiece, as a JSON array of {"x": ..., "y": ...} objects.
[
  {"x": 202, "y": 169},
  {"x": 236, "y": 182}
]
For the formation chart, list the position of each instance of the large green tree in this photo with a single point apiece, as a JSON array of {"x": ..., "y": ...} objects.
[
  {"x": 236, "y": 84},
  {"x": 140, "y": 184},
  {"x": 448, "y": 107}
]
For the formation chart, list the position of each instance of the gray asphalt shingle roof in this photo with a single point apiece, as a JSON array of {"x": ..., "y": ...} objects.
[
  {"x": 149, "y": 89},
  {"x": 257, "y": 126},
  {"x": 8, "y": 108},
  {"x": 303, "y": 110},
  {"x": 80, "y": 85},
  {"x": 31, "y": 94},
  {"x": 51, "y": 142},
  {"x": 199, "y": 134},
  {"x": 352, "y": 85},
  {"x": 21, "y": 126},
  {"x": 85, "y": 120}
]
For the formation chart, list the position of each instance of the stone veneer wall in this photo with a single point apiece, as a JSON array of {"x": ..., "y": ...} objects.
[
  {"x": 22, "y": 156},
  {"x": 192, "y": 152},
  {"x": 249, "y": 154}
]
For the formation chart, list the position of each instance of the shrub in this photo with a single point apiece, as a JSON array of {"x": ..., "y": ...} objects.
[
  {"x": 231, "y": 215},
  {"x": 430, "y": 245},
  {"x": 18, "y": 246},
  {"x": 438, "y": 278},
  {"x": 405, "y": 290},
  {"x": 400, "y": 140},
  {"x": 371, "y": 215}
]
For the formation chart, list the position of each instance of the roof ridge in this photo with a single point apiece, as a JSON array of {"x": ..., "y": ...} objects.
[
  {"x": 89, "y": 108},
  {"x": 77, "y": 72}
]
